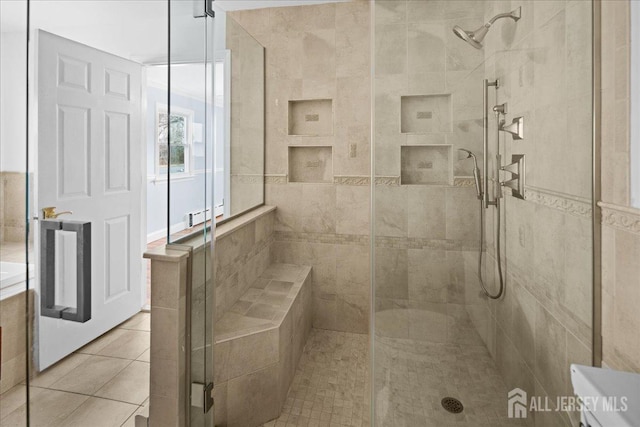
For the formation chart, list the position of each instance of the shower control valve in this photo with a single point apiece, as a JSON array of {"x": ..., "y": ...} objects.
[
  {"x": 517, "y": 170},
  {"x": 516, "y": 128}
]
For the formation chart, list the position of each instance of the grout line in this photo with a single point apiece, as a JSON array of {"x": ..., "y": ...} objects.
[
  {"x": 114, "y": 357},
  {"x": 87, "y": 395}
]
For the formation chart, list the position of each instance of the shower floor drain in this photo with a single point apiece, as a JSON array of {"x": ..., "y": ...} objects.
[{"x": 452, "y": 405}]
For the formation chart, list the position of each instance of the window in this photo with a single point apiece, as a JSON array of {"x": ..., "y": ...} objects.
[{"x": 177, "y": 130}]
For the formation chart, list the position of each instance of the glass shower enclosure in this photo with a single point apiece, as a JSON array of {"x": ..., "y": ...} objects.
[
  {"x": 446, "y": 353},
  {"x": 111, "y": 128}
]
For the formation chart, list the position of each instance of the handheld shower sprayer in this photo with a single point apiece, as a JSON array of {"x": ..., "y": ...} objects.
[{"x": 466, "y": 154}]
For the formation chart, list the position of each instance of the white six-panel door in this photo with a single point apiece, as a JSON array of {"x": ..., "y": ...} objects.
[{"x": 89, "y": 162}]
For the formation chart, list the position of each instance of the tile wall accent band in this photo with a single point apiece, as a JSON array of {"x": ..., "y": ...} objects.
[
  {"x": 275, "y": 179},
  {"x": 422, "y": 243},
  {"x": 388, "y": 180},
  {"x": 364, "y": 180},
  {"x": 248, "y": 179},
  {"x": 351, "y": 180},
  {"x": 330, "y": 238},
  {"x": 464, "y": 181},
  {"x": 381, "y": 241},
  {"x": 624, "y": 218},
  {"x": 563, "y": 202}
]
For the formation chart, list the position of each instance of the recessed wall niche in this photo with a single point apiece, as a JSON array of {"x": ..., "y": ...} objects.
[
  {"x": 311, "y": 164},
  {"x": 426, "y": 165},
  {"x": 311, "y": 117},
  {"x": 425, "y": 113}
]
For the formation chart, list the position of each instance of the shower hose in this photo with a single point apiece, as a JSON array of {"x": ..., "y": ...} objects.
[{"x": 484, "y": 288}]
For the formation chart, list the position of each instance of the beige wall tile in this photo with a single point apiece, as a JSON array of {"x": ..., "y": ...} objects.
[
  {"x": 425, "y": 11},
  {"x": 319, "y": 49},
  {"x": 391, "y": 211},
  {"x": 427, "y": 322},
  {"x": 301, "y": 18},
  {"x": 390, "y": 12},
  {"x": 352, "y": 313},
  {"x": 353, "y": 209},
  {"x": 513, "y": 368},
  {"x": 391, "y": 273},
  {"x": 575, "y": 296},
  {"x": 627, "y": 297},
  {"x": 390, "y": 49},
  {"x": 524, "y": 317},
  {"x": 325, "y": 308},
  {"x": 428, "y": 273},
  {"x": 353, "y": 270},
  {"x": 463, "y": 219},
  {"x": 250, "y": 353},
  {"x": 426, "y": 216},
  {"x": 550, "y": 350}
]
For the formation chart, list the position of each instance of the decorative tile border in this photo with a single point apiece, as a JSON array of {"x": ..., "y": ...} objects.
[
  {"x": 464, "y": 181},
  {"x": 387, "y": 180},
  {"x": 563, "y": 202},
  {"x": 362, "y": 180},
  {"x": 275, "y": 179},
  {"x": 248, "y": 179},
  {"x": 421, "y": 243},
  {"x": 623, "y": 218},
  {"x": 381, "y": 241},
  {"x": 339, "y": 239}
]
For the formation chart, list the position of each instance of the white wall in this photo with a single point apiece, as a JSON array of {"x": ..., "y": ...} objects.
[
  {"x": 13, "y": 79},
  {"x": 132, "y": 29}
]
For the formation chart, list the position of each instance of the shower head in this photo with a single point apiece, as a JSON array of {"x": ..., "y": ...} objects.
[{"x": 475, "y": 38}]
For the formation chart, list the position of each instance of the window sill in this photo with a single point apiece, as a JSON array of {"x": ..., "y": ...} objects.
[{"x": 174, "y": 178}]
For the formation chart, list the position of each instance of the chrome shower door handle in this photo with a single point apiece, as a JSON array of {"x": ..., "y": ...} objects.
[{"x": 82, "y": 311}]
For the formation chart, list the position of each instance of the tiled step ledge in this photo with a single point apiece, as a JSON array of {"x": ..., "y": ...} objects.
[{"x": 259, "y": 343}]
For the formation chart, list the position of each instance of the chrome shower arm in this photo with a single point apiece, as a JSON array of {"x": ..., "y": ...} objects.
[{"x": 514, "y": 14}]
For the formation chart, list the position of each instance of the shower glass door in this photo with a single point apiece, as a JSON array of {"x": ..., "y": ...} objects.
[
  {"x": 188, "y": 159},
  {"x": 444, "y": 352},
  {"x": 109, "y": 139}
]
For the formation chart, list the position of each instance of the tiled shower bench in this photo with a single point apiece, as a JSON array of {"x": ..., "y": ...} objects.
[{"x": 259, "y": 342}]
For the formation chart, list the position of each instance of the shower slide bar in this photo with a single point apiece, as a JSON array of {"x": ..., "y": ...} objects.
[{"x": 485, "y": 141}]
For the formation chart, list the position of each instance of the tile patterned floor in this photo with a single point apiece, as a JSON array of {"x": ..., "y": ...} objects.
[
  {"x": 412, "y": 377},
  {"x": 105, "y": 383},
  {"x": 330, "y": 387}
]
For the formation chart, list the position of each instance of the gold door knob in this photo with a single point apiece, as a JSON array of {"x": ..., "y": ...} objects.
[{"x": 50, "y": 213}]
